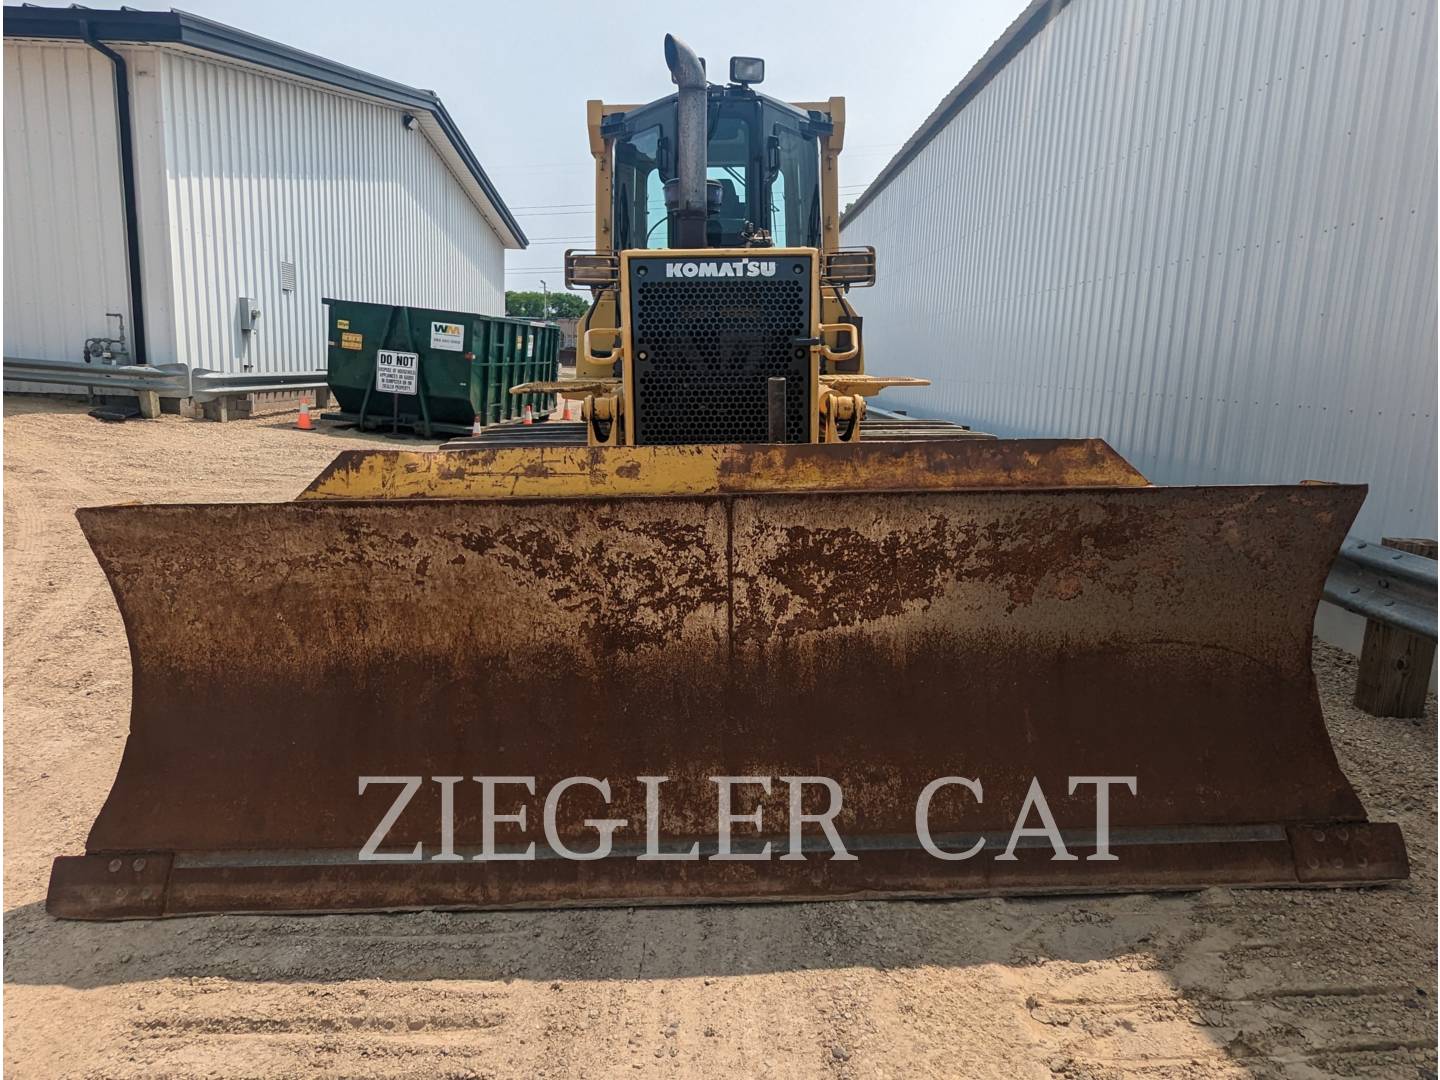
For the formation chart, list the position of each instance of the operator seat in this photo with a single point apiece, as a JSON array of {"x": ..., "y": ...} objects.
[{"x": 726, "y": 225}]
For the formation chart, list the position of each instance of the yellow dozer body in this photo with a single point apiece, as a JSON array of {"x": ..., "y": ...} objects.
[{"x": 727, "y": 637}]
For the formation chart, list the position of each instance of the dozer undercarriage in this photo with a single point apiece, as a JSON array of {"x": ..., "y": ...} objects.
[{"x": 568, "y": 664}]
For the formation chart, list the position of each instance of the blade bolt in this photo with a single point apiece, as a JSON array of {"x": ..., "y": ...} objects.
[
  {"x": 138, "y": 865},
  {"x": 115, "y": 865}
]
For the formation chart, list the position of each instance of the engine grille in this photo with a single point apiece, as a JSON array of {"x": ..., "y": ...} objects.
[{"x": 705, "y": 349}]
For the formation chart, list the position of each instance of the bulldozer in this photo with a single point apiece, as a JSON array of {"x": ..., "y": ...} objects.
[
  {"x": 730, "y": 636},
  {"x": 720, "y": 287}
]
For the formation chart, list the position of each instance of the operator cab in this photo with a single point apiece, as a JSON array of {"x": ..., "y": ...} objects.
[{"x": 762, "y": 169}]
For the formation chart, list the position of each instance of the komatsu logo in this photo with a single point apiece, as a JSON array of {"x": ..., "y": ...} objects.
[{"x": 744, "y": 268}]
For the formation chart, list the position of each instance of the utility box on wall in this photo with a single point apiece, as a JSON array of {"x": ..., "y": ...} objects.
[{"x": 249, "y": 314}]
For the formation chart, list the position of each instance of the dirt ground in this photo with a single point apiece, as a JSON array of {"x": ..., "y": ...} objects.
[{"x": 1207, "y": 985}]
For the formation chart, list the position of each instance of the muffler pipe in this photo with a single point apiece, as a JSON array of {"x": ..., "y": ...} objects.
[{"x": 689, "y": 75}]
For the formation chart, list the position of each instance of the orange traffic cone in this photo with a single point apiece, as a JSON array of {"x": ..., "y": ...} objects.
[
  {"x": 568, "y": 414},
  {"x": 529, "y": 415},
  {"x": 304, "y": 423}
]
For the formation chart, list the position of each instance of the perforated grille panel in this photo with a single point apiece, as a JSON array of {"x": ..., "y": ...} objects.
[{"x": 706, "y": 347}]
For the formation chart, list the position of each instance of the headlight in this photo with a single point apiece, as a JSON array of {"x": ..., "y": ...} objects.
[
  {"x": 591, "y": 269},
  {"x": 849, "y": 266},
  {"x": 747, "y": 69}
]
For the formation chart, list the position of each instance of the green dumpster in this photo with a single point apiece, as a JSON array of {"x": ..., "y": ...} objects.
[{"x": 432, "y": 371}]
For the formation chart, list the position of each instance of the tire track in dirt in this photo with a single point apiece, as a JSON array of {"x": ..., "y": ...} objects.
[{"x": 39, "y": 550}]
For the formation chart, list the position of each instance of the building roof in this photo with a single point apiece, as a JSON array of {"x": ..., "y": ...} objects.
[
  {"x": 183, "y": 29},
  {"x": 1020, "y": 33}
]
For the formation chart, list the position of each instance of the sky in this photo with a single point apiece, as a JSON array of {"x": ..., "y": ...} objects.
[{"x": 516, "y": 76}]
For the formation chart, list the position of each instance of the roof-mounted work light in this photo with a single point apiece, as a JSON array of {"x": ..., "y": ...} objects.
[{"x": 747, "y": 69}]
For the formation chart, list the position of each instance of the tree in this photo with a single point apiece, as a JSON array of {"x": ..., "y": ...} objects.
[
  {"x": 531, "y": 305},
  {"x": 567, "y": 305}
]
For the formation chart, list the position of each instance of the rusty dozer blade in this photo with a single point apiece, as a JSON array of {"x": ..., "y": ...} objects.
[{"x": 1019, "y": 614}]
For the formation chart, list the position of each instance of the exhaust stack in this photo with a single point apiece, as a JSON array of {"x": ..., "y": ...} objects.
[{"x": 689, "y": 75}]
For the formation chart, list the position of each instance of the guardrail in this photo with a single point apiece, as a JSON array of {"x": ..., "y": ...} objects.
[
  {"x": 167, "y": 380},
  {"x": 1385, "y": 585},
  {"x": 209, "y": 385}
]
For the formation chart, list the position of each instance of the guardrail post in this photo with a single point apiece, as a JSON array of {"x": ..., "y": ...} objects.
[{"x": 1395, "y": 664}]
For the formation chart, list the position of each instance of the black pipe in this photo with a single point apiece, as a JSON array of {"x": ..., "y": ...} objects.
[{"x": 127, "y": 186}]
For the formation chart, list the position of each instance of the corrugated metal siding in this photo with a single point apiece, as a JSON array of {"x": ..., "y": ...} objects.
[
  {"x": 262, "y": 170},
  {"x": 1203, "y": 231},
  {"x": 64, "y": 219},
  {"x": 237, "y": 173},
  {"x": 147, "y": 122}
]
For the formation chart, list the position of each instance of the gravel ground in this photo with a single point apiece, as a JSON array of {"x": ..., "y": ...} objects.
[{"x": 1206, "y": 985}]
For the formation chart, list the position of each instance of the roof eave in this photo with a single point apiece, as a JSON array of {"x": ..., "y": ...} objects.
[
  {"x": 1036, "y": 16},
  {"x": 183, "y": 28}
]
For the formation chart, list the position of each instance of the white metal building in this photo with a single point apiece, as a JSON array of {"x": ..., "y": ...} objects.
[
  {"x": 1204, "y": 231},
  {"x": 254, "y": 177}
]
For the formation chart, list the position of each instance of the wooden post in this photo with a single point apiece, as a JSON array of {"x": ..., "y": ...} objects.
[{"x": 1395, "y": 664}]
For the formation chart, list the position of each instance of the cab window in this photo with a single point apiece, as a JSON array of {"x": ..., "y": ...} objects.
[
  {"x": 795, "y": 189},
  {"x": 731, "y": 159},
  {"x": 640, "y": 218},
  {"x": 763, "y": 167}
]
